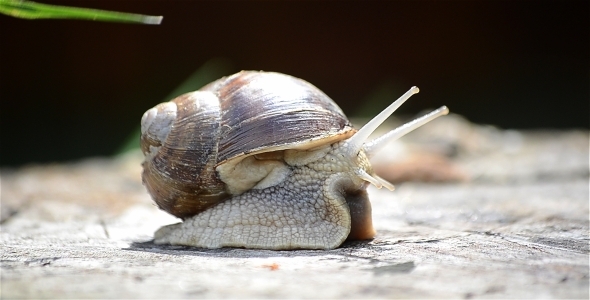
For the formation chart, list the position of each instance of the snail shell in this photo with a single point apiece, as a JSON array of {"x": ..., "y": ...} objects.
[{"x": 259, "y": 160}]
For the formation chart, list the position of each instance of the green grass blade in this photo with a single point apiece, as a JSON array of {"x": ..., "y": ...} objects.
[{"x": 33, "y": 10}]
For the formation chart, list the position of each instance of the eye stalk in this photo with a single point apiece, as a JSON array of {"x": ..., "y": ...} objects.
[
  {"x": 377, "y": 144},
  {"x": 357, "y": 141}
]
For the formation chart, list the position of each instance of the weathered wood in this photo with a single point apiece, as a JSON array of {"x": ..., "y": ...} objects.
[{"x": 509, "y": 220}]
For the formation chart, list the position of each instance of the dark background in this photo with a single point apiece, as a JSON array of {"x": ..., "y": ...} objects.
[{"x": 72, "y": 89}]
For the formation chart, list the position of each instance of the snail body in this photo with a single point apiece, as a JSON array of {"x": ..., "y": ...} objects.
[{"x": 262, "y": 160}]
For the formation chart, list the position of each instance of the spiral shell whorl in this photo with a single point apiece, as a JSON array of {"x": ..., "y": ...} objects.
[
  {"x": 156, "y": 124},
  {"x": 179, "y": 139}
]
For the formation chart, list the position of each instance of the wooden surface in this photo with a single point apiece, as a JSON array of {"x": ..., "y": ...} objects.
[{"x": 503, "y": 214}]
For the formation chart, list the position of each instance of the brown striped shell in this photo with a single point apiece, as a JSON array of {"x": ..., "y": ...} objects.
[{"x": 249, "y": 113}]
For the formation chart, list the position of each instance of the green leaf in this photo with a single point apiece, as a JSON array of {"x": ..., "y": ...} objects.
[{"x": 33, "y": 10}]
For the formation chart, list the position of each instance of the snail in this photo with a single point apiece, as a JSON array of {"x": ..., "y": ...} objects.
[{"x": 263, "y": 160}]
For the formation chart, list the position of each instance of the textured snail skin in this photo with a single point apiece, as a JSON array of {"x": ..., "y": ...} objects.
[{"x": 321, "y": 204}]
